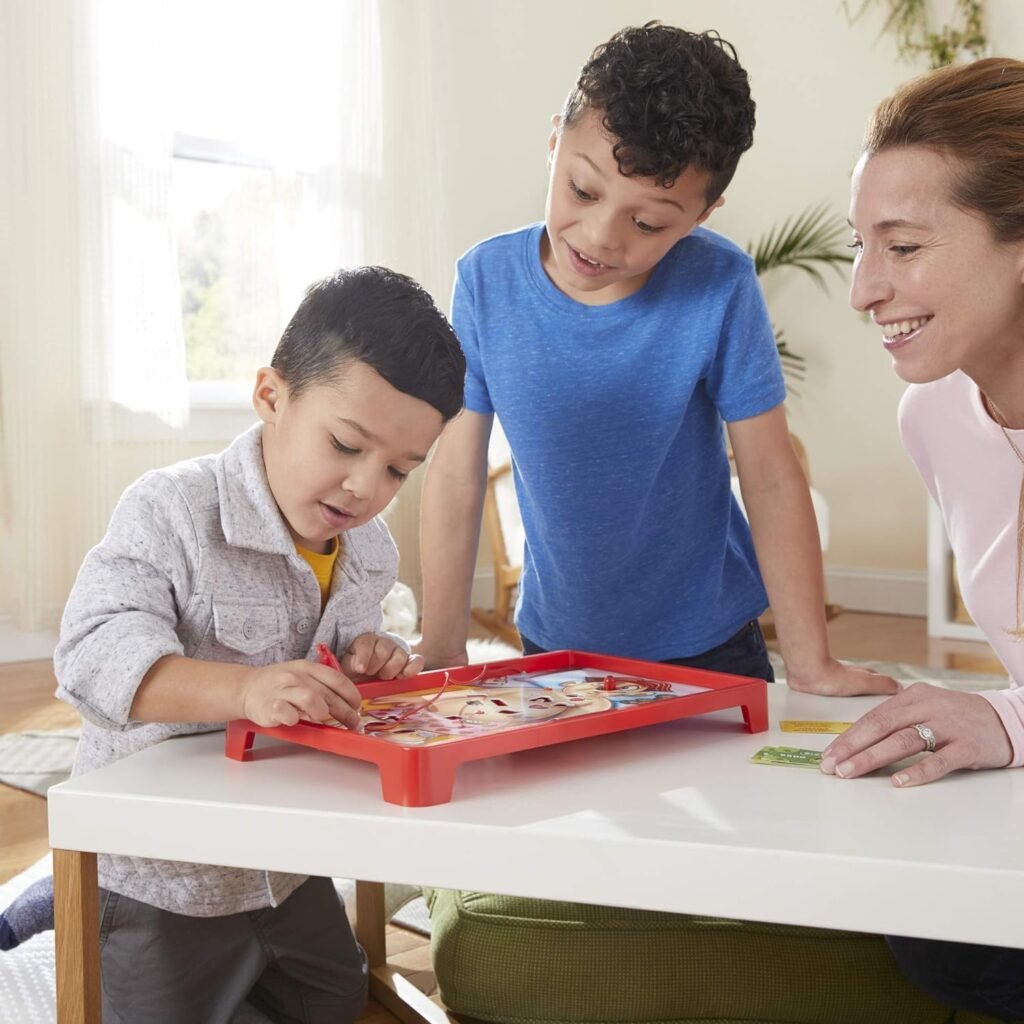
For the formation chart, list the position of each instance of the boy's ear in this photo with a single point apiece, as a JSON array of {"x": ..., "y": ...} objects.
[
  {"x": 556, "y": 127},
  {"x": 268, "y": 394},
  {"x": 720, "y": 201}
]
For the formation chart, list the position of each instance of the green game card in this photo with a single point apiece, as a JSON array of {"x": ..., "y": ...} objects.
[{"x": 794, "y": 756}]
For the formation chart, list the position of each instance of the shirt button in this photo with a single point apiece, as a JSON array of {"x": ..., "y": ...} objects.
[
  {"x": 248, "y": 629},
  {"x": 302, "y": 625}
]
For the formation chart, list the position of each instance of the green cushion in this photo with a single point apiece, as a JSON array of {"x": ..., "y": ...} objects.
[{"x": 525, "y": 961}]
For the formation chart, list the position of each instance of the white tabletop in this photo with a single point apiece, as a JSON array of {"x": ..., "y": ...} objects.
[{"x": 669, "y": 817}]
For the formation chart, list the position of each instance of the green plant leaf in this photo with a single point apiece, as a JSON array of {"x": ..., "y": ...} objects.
[{"x": 807, "y": 241}]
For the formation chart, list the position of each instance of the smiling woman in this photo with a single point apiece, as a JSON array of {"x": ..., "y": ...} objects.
[
  {"x": 939, "y": 231},
  {"x": 931, "y": 273}
]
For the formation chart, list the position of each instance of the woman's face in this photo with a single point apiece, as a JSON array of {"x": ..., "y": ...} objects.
[{"x": 944, "y": 292}]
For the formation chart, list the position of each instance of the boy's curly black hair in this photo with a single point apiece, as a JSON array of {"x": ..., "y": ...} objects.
[{"x": 671, "y": 99}]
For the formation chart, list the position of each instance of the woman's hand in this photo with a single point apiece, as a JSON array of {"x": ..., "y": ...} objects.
[
  {"x": 967, "y": 730},
  {"x": 373, "y": 656}
]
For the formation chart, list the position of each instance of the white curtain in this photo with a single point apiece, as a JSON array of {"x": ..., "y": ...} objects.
[
  {"x": 54, "y": 481},
  {"x": 93, "y": 387},
  {"x": 411, "y": 229}
]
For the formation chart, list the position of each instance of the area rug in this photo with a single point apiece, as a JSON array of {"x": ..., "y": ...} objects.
[
  {"x": 947, "y": 678},
  {"x": 37, "y": 759}
]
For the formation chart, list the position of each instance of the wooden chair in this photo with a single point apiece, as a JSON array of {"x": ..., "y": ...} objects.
[{"x": 503, "y": 535}]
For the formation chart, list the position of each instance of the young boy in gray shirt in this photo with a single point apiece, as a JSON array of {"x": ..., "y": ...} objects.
[{"x": 205, "y": 601}]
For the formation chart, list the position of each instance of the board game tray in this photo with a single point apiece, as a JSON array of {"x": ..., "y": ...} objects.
[{"x": 418, "y": 731}]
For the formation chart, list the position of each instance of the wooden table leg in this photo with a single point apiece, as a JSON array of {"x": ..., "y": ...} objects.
[
  {"x": 76, "y": 919},
  {"x": 394, "y": 992},
  {"x": 370, "y": 922}
]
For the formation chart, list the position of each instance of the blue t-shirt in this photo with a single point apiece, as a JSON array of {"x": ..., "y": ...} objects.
[{"x": 634, "y": 543}]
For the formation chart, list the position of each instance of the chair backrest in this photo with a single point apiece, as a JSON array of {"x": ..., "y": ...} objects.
[{"x": 501, "y": 509}]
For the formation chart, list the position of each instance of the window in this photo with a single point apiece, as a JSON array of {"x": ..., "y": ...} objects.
[
  {"x": 224, "y": 208},
  {"x": 270, "y": 156}
]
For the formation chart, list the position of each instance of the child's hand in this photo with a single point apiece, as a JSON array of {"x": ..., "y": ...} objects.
[
  {"x": 284, "y": 694},
  {"x": 378, "y": 657},
  {"x": 836, "y": 679},
  {"x": 433, "y": 658}
]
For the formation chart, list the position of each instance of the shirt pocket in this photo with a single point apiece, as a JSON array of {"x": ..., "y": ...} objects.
[{"x": 247, "y": 626}]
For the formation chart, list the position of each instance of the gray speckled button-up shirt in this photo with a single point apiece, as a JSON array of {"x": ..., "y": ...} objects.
[{"x": 197, "y": 561}]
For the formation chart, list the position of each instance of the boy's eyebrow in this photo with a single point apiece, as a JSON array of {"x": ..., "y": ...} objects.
[
  {"x": 655, "y": 199},
  {"x": 370, "y": 436}
]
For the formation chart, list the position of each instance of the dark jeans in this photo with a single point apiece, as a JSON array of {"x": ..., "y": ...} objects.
[
  {"x": 743, "y": 654},
  {"x": 297, "y": 963},
  {"x": 981, "y": 979}
]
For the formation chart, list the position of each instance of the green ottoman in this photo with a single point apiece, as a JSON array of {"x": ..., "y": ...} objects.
[{"x": 525, "y": 961}]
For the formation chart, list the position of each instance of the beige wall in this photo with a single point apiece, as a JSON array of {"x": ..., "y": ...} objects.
[
  {"x": 496, "y": 72},
  {"x": 501, "y": 70}
]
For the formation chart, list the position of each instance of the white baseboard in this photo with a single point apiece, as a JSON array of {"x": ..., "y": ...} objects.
[
  {"x": 22, "y": 645},
  {"x": 883, "y": 591}
]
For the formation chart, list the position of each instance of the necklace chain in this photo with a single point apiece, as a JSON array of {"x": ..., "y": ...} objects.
[{"x": 1001, "y": 422}]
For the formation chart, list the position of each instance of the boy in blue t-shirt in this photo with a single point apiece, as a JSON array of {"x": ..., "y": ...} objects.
[{"x": 612, "y": 341}]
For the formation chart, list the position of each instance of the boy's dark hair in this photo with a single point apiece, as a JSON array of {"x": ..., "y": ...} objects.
[
  {"x": 671, "y": 99},
  {"x": 383, "y": 319}
]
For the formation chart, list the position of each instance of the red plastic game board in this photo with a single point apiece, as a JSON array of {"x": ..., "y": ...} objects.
[{"x": 418, "y": 731}]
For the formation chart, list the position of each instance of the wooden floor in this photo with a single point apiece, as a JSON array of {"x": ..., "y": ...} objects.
[{"x": 27, "y": 702}]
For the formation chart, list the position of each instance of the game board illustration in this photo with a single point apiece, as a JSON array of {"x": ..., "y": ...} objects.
[{"x": 424, "y": 717}]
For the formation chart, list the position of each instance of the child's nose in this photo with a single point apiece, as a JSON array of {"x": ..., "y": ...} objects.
[
  {"x": 602, "y": 232},
  {"x": 359, "y": 483}
]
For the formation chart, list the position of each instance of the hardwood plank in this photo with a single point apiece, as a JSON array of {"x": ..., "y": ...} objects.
[{"x": 27, "y": 702}]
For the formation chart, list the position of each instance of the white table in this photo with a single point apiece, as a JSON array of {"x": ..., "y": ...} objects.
[{"x": 715, "y": 834}]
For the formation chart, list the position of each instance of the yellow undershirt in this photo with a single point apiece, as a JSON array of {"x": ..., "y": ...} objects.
[{"x": 322, "y": 566}]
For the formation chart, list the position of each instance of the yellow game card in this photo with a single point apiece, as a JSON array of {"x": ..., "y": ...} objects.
[{"x": 834, "y": 727}]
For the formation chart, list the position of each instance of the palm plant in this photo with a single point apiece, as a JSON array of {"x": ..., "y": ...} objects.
[{"x": 809, "y": 241}]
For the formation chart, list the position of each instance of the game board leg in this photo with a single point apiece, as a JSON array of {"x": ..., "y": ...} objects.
[
  {"x": 755, "y": 714},
  {"x": 421, "y": 785},
  {"x": 238, "y": 741}
]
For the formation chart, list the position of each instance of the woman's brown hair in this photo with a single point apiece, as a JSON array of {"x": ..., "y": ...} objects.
[{"x": 975, "y": 114}]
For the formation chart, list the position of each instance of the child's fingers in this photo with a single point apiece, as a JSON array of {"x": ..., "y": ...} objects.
[
  {"x": 393, "y": 664},
  {"x": 374, "y": 655},
  {"x": 412, "y": 667},
  {"x": 362, "y": 657},
  {"x": 338, "y": 695},
  {"x": 341, "y": 711},
  {"x": 280, "y": 712},
  {"x": 322, "y": 704}
]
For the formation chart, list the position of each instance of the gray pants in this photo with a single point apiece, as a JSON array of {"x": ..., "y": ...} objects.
[{"x": 294, "y": 964}]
